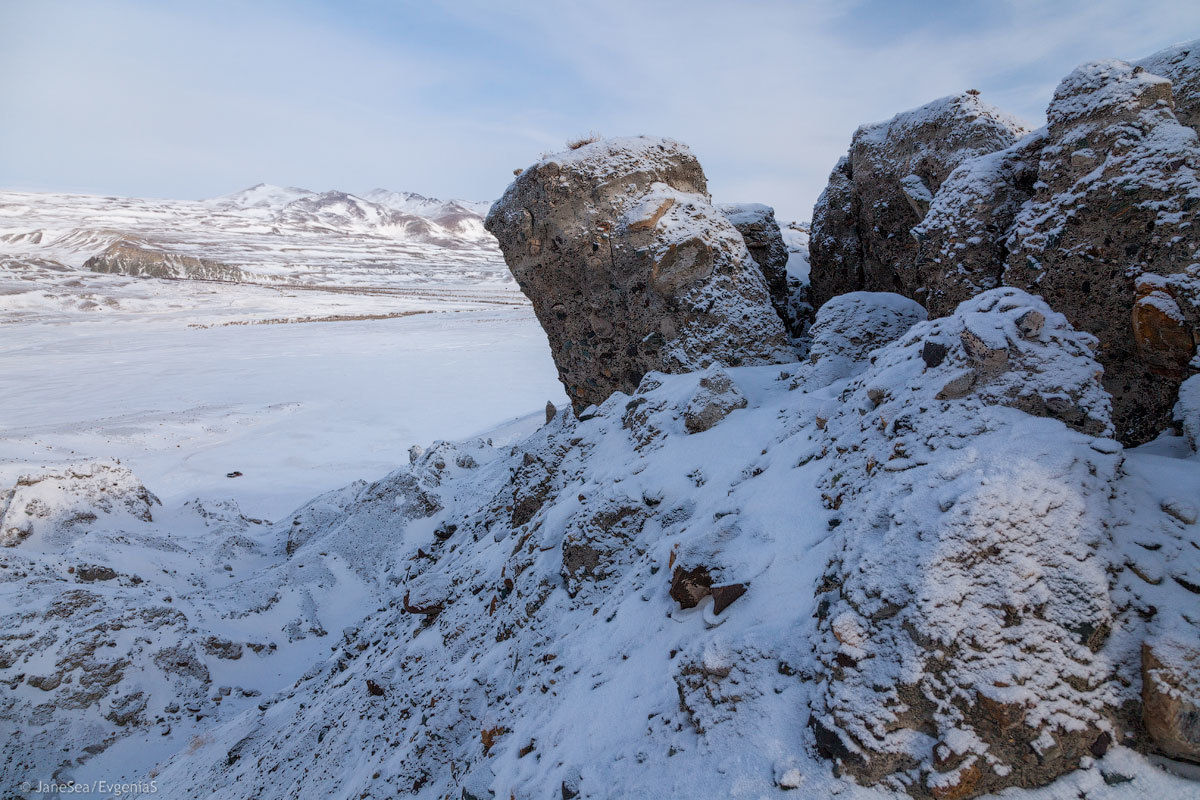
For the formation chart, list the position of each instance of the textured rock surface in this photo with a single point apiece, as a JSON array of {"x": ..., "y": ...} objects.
[
  {"x": 1181, "y": 66},
  {"x": 129, "y": 257},
  {"x": 756, "y": 223},
  {"x": 961, "y": 242},
  {"x": 631, "y": 269},
  {"x": 963, "y": 614},
  {"x": 1110, "y": 235},
  {"x": 1096, "y": 213},
  {"x": 884, "y": 187},
  {"x": 1171, "y": 698}
]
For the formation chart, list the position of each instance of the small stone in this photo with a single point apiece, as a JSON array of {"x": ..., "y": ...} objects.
[
  {"x": 1030, "y": 323},
  {"x": 934, "y": 353}
]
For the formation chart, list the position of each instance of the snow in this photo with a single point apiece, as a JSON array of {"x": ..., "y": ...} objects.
[{"x": 511, "y": 600}]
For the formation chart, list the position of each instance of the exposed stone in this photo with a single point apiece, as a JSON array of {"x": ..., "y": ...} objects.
[
  {"x": 631, "y": 269},
  {"x": 1109, "y": 235},
  {"x": 756, "y": 223},
  {"x": 715, "y": 398},
  {"x": 143, "y": 259},
  {"x": 961, "y": 241},
  {"x": 884, "y": 187},
  {"x": 1181, "y": 66},
  {"x": 1171, "y": 698}
]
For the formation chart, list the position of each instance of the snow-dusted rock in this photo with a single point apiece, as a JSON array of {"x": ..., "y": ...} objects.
[
  {"x": 51, "y": 509},
  {"x": 756, "y": 223},
  {"x": 849, "y": 327},
  {"x": 715, "y": 398},
  {"x": 961, "y": 241},
  {"x": 965, "y": 610},
  {"x": 1109, "y": 236},
  {"x": 1181, "y": 66},
  {"x": 631, "y": 269},
  {"x": 1171, "y": 697},
  {"x": 1187, "y": 410},
  {"x": 885, "y": 185}
]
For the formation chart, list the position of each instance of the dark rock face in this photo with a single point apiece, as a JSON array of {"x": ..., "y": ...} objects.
[
  {"x": 885, "y": 186},
  {"x": 630, "y": 268},
  {"x": 129, "y": 257}
]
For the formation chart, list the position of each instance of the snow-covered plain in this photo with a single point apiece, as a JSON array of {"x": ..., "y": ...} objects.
[{"x": 300, "y": 388}]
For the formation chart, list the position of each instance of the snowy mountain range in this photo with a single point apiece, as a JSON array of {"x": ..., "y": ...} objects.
[{"x": 263, "y": 234}]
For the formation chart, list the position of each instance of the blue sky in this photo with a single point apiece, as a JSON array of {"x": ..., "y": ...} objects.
[{"x": 190, "y": 100}]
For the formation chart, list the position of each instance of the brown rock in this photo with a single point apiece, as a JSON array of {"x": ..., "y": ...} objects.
[
  {"x": 1171, "y": 699},
  {"x": 631, "y": 269}
]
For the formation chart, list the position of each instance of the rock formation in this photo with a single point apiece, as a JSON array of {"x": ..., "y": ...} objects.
[
  {"x": 1096, "y": 212},
  {"x": 132, "y": 257},
  {"x": 1181, "y": 66},
  {"x": 631, "y": 269},
  {"x": 1109, "y": 236},
  {"x": 848, "y": 328},
  {"x": 884, "y": 186},
  {"x": 962, "y": 616}
]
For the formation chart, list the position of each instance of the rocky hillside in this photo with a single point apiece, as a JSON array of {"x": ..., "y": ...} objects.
[
  {"x": 265, "y": 234},
  {"x": 899, "y": 548}
]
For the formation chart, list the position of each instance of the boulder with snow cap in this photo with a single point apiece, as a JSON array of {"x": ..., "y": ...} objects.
[
  {"x": 884, "y": 187},
  {"x": 848, "y": 328},
  {"x": 630, "y": 267}
]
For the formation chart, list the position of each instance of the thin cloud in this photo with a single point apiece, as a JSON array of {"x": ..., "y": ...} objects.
[{"x": 150, "y": 99}]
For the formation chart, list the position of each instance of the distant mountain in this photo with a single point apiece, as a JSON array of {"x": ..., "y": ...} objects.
[{"x": 262, "y": 233}]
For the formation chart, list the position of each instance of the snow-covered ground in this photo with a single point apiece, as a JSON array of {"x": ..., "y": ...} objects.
[{"x": 300, "y": 388}]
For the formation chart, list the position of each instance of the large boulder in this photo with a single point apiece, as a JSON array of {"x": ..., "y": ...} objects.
[
  {"x": 631, "y": 268},
  {"x": 884, "y": 187},
  {"x": 964, "y": 614},
  {"x": 1110, "y": 234}
]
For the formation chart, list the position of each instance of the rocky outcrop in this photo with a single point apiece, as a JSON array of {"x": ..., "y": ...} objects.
[
  {"x": 141, "y": 259},
  {"x": 961, "y": 242},
  {"x": 756, "y": 223},
  {"x": 1109, "y": 236},
  {"x": 631, "y": 269},
  {"x": 885, "y": 185},
  {"x": 1171, "y": 698},
  {"x": 964, "y": 614},
  {"x": 1096, "y": 213}
]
